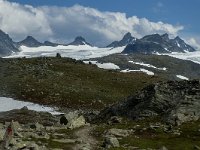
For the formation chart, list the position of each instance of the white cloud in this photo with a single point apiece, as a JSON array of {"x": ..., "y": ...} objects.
[
  {"x": 194, "y": 42},
  {"x": 64, "y": 23},
  {"x": 19, "y": 20}
]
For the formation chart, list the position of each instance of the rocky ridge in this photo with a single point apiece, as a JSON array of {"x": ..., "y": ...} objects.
[
  {"x": 7, "y": 45},
  {"x": 127, "y": 39},
  {"x": 174, "y": 102},
  {"x": 158, "y": 44},
  {"x": 79, "y": 41}
]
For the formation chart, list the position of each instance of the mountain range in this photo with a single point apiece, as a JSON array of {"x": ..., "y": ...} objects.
[
  {"x": 158, "y": 44},
  {"x": 149, "y": 44}
]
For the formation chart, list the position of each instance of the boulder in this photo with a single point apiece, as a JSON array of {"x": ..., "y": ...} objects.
[
  {"x": 119, "y": 132},
  {"x": 115, "y": 120},
  {"x": 37, "y": 126},
  {"x": 163, "y": 148},
  {"x": 111, "y": 141},
  {"x": 72, "y": 120},
  {"x": 76, "y": 122}
]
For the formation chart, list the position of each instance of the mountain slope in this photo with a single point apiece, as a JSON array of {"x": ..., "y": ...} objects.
[
  {"x": 161, "y": 65},
  {"x": 6, "y": 44},
  {"x": 66, "y": 82},
  {"x": 79, "y": 41},
  {"x": 29, "y": 41},
  {"x": 127, "y": 39},
  {"x": 175, "y": 102},
  {"x": 158, "y": 44}
]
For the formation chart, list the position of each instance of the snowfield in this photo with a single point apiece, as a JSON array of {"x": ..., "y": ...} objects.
[
  {"x": 192, "y": 56},
  {"x": 77, "y": 52},
  {"x": 86, "y": 52},
  {"x": 103, "y": 65},
  {"x": 7, "y": 104}
]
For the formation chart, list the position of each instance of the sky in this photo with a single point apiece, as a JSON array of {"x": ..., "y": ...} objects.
[{"x": 100, "y": 22}]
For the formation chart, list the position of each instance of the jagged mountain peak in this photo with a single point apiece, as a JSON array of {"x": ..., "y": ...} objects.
[
  {"x": 127, "y": 36},
  {"x": 157, "y": 43},
  {"x": 7, "y": 45},
  {"x": 30, "y": 41},
  {"x": 127, "y": 39},
  {"x": 3, "y": 34},
  {"x": 79, "y": 40},
  {"x": 165, "y": 37},
  {"x": 177, "y": 38}
]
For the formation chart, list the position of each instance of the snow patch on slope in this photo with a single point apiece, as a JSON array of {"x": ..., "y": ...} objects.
[
  {"x": 7, "y": 104},
  {"x": 104, "y": 65},
  {"x": 141, "y": 70},
  {"x": 147, "y": 65},
  {"x": 182, "y": 77}
]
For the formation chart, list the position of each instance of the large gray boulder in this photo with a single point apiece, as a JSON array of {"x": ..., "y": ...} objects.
[
  {"x": 73, "y": 120},
  {"x": 110, "y": 142}
]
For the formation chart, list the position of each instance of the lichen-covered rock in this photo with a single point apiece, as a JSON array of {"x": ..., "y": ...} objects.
[{"x": 76, "y": 122}]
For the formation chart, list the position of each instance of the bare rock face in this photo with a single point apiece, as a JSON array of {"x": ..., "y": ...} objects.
[{"x": 175, "y": 102}]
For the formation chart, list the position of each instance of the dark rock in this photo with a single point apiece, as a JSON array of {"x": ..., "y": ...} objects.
[
  {"x": 7, "y": 46},
  {"x": 175, "y": 102},
  {"x": 29, "y": 41},
  {"x": 158, "y": 44},
  {"x": 127, "y": 39},
  {"x": 58, "y": 55},
  {"x": 63, "y": 120},
  {"x": 47, "y": 43},
  {"x": 79, "y": 41},
  {"x": 115, "y": 120}
]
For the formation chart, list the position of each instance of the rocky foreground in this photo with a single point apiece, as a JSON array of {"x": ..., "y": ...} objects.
[{"x": 162, "y": 116}]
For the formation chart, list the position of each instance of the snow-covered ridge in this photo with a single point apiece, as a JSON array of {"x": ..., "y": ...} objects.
[
  {"x": 147, "y": 65},
  {"x": 7, "y": 104},
  {"x": 72, "y": 51}
]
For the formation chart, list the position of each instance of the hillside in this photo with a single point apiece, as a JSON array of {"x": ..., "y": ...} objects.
[
  {"x": 160, "y": 65},
  {"x": 66, "y": 82}
]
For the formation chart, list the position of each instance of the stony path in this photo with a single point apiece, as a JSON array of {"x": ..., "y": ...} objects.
[{"x": 88, "y": 142}]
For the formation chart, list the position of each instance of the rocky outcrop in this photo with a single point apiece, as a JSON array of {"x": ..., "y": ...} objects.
[
  {"x": 7, "y": 46},
  {"x": 175, "y": 102}
]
